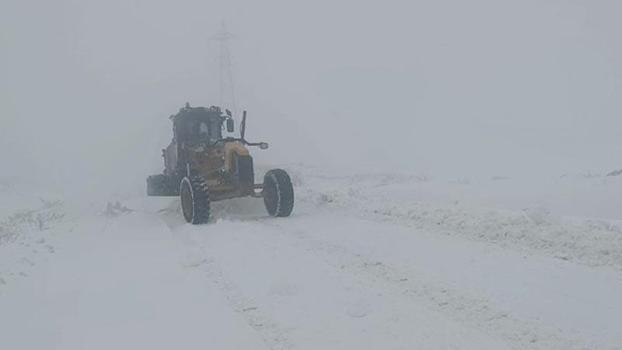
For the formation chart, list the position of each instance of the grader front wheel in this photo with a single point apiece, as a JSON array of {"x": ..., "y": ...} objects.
[
  {"x": 278, "y": 193},
  {"x": 195, "y": 203}
]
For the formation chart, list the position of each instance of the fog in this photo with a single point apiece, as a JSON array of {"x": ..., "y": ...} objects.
[
  {"x": 446, "y": 88},
  {"x": 442, "y": 174}
]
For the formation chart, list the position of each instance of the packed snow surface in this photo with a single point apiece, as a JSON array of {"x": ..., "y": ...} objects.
[{"x": 367, "y": 261}]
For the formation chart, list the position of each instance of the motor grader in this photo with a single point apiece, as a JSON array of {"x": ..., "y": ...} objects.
[{"x": 202, "y": 166}]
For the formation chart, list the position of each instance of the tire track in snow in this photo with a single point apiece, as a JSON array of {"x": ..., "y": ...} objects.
[
  {"x": 396, "y": 318},
  {"x": 274, "y": 335},
  {"x": 468, "y": 310},
  {"x": 471, "y": 311}
]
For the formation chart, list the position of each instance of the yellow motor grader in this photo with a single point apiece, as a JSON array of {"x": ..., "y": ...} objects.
[{"x": 201, "y": 166}]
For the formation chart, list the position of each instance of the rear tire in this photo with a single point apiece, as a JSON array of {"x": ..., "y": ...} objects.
[
  {"x": 161, "y": 185},
  {"x": 278, "y": 193},
  {"x": 195, "y": 204}
]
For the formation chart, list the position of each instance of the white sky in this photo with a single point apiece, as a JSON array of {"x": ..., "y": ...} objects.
[{"x": 455, "y": 88}]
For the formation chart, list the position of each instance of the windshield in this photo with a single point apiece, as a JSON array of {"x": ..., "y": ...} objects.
[{"x": 207, "y": 130}]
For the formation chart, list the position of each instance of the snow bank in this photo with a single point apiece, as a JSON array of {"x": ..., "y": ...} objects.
[
  {"x": 25, "y": 239},
  {"x": 542, "y": 217}
]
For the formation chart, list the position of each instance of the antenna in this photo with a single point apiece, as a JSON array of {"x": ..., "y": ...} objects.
[{"x": 225, "y": 75}]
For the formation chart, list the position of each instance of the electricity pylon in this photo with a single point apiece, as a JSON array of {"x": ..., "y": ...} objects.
[{"x": 225, "y": 75}]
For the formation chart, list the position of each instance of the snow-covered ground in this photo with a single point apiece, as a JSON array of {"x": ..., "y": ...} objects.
[{"x": 367, "y": 261}]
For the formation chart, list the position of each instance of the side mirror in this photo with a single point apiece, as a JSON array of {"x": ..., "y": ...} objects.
[
  {"x": 228, "y": 113},
  {"x": 264, "y": 145},
  {"x": 230, "y": 125}
]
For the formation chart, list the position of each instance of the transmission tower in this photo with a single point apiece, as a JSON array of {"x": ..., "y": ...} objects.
[{"x": 225, "y": 74}]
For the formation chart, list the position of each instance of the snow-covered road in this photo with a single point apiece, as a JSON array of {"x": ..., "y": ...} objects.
[{"x": 326, "y": 278}]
